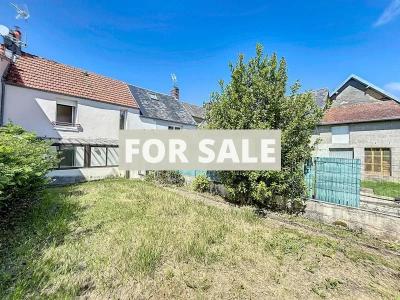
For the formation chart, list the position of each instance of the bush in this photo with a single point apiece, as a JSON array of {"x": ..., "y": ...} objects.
[
  {"x": 165, "y": 177},
  {"x": 24, "y": 162},
  {"x": 201, "y": 184}
]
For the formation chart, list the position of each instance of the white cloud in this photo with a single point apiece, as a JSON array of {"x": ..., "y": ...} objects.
[
  {"x": 391, "y": 12},
  {"x": 393, "y": 87}
]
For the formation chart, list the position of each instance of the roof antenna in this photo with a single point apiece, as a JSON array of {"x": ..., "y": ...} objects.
[
  {"x": 13, "y": 38},
  {"x": 22, "y": 12},
  {"x": 174, "y": 79}
]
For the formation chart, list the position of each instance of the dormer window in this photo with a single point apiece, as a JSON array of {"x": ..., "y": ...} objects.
[
  {"x": 65, "y": 115},
  {"x": 153, "y": 96}
]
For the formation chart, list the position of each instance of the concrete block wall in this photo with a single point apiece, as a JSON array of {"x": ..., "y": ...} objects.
[
  {"x": 384, "y": 134},
  {"x": 374, "y": 222}
]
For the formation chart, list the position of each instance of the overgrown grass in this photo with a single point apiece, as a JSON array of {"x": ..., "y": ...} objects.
[
  {"x": 131, "y": 239},
  {"x": 383, "y": 188}
]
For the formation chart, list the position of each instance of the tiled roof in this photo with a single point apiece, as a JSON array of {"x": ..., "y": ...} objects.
[
  {"x": 365, "y": 112},
  {"x": 160, "y": 106},
  {"x": 194, "y": 110},
  {"x": 38, "y": 73}
]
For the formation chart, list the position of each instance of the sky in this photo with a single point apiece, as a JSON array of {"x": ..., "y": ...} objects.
[{"x": 143, "y": 42}]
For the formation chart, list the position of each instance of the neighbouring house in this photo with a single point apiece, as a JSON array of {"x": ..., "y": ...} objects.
[
  {"x": 81, "y": 113},
  {"x": 197, "y": 112},
  {"x": 159, "y": 110},
  {"x": 362, "y": 122}
]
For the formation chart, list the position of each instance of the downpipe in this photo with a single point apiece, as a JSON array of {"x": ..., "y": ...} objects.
[
  {"x": 3, "y": 89},
  {"x": 3, "y": 92}
]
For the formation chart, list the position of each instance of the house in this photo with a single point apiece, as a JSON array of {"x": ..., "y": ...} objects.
[
  {"x": 81, "y": 113},
  {"x": 362, "y": 122}
]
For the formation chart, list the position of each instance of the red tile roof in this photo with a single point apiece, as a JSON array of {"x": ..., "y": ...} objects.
[
  {"x": 38, "y": 73},
  {"x": 365, "y": 112}
]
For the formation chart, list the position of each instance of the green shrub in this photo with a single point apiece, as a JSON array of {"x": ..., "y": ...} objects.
[
  {"x": 165, "y": 177},
  {"x": 24, "y": 162},
  {"x": 256, "y": 97},
  {"x": 201, "y": 184}
]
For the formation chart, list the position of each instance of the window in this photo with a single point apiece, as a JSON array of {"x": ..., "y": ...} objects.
[
  {"x": 98, "y": 156},
  {"x": 87, "y": 156},
  {"x": 378, "y": 161},
  {"x": 153, "y": 96},
  {"x": 173, "y": 128},
  {"x": 341, "y": 153},
  {"x": 103, "y": 156},
  {"x": 65, "y": 114},
  {"x": 71, "y": 156},
  {"x": 340, "y": 135},
  {"x": 112, "y": 156},
  {"x": 122, "y": 119}
]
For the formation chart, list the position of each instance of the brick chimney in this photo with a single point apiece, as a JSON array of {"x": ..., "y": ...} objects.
[{"x": 175, "y": 92}]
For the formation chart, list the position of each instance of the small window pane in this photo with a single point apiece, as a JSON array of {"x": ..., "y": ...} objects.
[
  {"x": 72, "y": 156},
  {"x": 65, "y": 114},
  {"x": 378, "y": 161},
  {"x": 377, "y": 167},
  {"x": 98, "y": 156},
  {"x": 112, "y": 156},
  {"x": 122, "y": 119}
]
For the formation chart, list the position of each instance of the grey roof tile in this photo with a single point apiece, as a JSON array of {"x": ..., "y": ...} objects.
[
  {"x": 165, "y": 107},
  {"x": 321, "y": 97},
  {"x": 195, "y": 110}
]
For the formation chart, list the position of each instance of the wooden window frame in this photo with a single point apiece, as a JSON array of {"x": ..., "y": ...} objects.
[{"x": 377, "y": 158}]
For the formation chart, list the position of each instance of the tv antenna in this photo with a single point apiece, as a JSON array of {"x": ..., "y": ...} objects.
[
  {"x": 22, "y": 12},
  {"x": 174, "y": 79}
]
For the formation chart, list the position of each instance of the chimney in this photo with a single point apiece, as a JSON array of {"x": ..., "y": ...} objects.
[{"x": 175, "y": 92}]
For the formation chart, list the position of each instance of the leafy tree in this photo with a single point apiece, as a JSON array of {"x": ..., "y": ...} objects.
[
  {"x": 256, "y": 98},
  {"x": 24, "y": 162}
]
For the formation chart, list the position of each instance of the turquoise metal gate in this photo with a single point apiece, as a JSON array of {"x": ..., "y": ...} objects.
[{"x": 334, "y": 180}]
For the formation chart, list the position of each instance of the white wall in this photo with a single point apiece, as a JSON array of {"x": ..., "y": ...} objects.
[
  {"x": 35, "y": 110},
  {"x": 84, "y": 174}
]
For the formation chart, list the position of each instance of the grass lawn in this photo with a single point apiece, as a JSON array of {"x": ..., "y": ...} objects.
[
  {"x": 130, "y": 239},
  {"x": 383, "y": 188}
]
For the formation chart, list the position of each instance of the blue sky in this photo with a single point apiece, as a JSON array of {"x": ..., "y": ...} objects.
[{"x": 143, "y": 42}]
